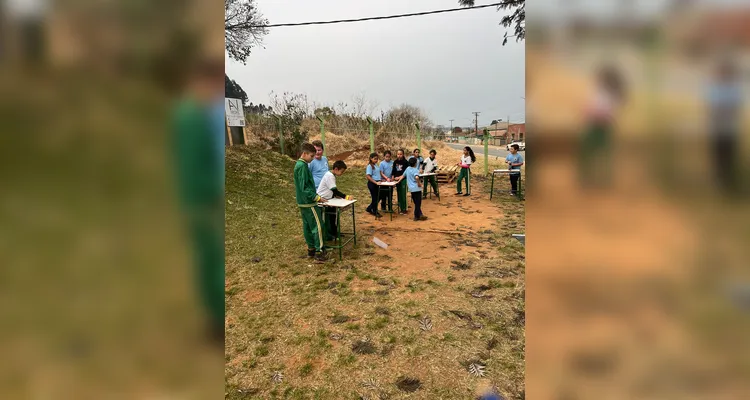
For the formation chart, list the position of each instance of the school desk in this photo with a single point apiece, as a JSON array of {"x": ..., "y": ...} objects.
[
  {"x": 388, "y": 188},
  {"x": 339, "y": 205},
  {"x": 424, "y": 182},
  {"x": 506, "y": 172}
]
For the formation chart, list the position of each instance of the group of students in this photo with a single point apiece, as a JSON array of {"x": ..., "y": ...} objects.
[
  {"x": 405, "y": 172},
  {"x": 315, "y": 183}
]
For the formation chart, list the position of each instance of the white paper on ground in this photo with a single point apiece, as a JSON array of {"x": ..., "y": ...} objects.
[{"x": 379, "y": 243}]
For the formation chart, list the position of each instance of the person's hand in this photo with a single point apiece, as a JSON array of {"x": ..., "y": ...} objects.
[{"x": 322, "y": 200}]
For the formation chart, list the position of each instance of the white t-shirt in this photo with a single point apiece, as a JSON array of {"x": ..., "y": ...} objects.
[
  {"x": 429, "y": 165},
  {"x": 466, "y": 160},
  {"x": 327, "y": 183}
]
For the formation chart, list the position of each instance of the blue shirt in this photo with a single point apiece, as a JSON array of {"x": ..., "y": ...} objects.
[
  {"x": 387, "y": 168},
  {"x": 411, "y": 179},
  {"x": 318, "y": 168},
  {"x": 420, "y": 160},
  {"x": 374, "y": 172},
  {"x": 514, "y": 158}
]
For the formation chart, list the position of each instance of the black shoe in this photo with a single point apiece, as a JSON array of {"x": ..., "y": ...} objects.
[
  {"x": 311, "y": 253},
  {"x": 378, "y": 215},
  {"x": 459, "y": 194},
  {"x": 422, "y": 218},
  {"x": 321, "y": 257},
  {"x": 467, "y": 194}
]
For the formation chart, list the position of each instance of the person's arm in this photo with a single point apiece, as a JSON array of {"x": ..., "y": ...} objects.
[{"x": 337, "y": 193}]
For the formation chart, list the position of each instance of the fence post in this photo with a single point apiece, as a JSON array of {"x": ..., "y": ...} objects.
[
  {"x": 322, "y": 134},
  {"x": 486, "y": 153},
  {"x": 372, "y": 136},
  {"x": 281, "y": 135},
  {"x": 419, "y": 138}
]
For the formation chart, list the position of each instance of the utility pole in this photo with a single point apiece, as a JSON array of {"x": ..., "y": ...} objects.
[
  {"x": 476, "y": 121},
  {"x": 451, "y": 133}
]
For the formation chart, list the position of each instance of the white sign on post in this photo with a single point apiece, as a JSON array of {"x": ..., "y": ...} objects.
[{"x": 234, "y": 111}]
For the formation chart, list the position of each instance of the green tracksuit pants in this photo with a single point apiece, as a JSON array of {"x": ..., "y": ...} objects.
[
  {"x": 312, "y": 227},
  {"x": 464, "y": 174},
  {"x": 432, "y": 180},
  {"x": 207, "y": 236},
  {"x": 401, "y": 190}
]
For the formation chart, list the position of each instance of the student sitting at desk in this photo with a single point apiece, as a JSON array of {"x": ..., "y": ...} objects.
[
  {"x": 514, "y": 161},
  {"x": 428, "y": 167},
  {"x": 328, "y": 190}
]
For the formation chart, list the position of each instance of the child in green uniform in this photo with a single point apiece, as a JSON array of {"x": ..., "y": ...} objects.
[{"x": 307, "y": 201}]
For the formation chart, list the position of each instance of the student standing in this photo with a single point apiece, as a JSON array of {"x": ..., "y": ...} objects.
[
  {"x": 386, "y": 171},
  {"x": 328, "y": 190},
  {"x": 399, "y": 167},
  {"x": 725, "y": 101},
  {"x": 415, "y": 188},
  {"x": 373, "y": 178},
  {"x": 319, "y": 165},
  {"x": 514, "y": 161},
  {"x": 307, "y": 201},
  {"x": 428, "y": 167},
  {"x": 415, "y": 155},
  {"x": 466, "y": 160}
]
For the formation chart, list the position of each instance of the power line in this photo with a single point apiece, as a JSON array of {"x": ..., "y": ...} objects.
[{"x": 367, "y": 18}]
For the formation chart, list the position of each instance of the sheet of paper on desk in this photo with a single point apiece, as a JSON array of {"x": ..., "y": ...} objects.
[
  {"x": 388, "y": 183},
  {"x": 337, "y": 203}
]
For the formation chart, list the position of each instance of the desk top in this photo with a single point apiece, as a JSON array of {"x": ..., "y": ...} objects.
[
  {"x": 430, "y": 174},
  {"x": 382, "y": 183},
  {"x": 339, "y": 203},
  {"x": 505, "y": 171}
]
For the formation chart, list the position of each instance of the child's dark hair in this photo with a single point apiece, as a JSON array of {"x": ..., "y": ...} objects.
[
  {"x": 317, "y": 143},
  {"x": 471, "y": 154},
  {"x": 308, "y": 148},
  {"x": 416, "y": 150},
  {"x": 433, "y": 152},
  {"x": 371, "y": 156},
  {"x": 387, "y": 153},
  {"x": 340, "y": 164},
  {"x": 412, "y": 162},
  {"x": 402, "y": 151},
  {"x": 515, "y": 146}
]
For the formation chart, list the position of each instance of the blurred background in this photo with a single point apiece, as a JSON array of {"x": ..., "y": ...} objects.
[
  {"x": 638, "y": 221},
  {"x": 97, "y": 287}
]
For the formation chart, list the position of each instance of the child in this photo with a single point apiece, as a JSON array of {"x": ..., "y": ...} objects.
[
  {"x": 430, "y": 166},
  {"x": 420, "y": 160},
  {"x": 465, "y": 164},
  {"x": 319, "y": 165},
  {"x": 514, "y": 161},
  {"x": 373, "y": 177},
  {"x": 386, "y": 171},
  {"x": 327, "y": 190},
  {"x": 307, "y": 201},
  {"x": 399, "y": 167},
  {"x": 415, "y": 188}
]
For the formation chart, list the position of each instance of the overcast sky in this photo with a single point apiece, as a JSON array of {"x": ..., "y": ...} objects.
[{"x": 447, "y": 64}]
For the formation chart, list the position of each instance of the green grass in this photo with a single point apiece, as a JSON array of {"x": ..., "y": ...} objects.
[{"x": 314, "y": 315}]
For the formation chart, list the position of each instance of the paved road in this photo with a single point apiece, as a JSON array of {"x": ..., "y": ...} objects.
[{"x": 479, "y": 150}]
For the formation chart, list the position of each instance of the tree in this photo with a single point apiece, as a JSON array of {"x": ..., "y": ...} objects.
[
  {"x": 517, "y": 18},
  {"x": 244, "y": 27},
  {"x": 457, "y": 129},
  {"x": 233, "y": 90}
]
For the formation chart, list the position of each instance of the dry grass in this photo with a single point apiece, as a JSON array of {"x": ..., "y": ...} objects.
[{"x": 315, "y": 324}]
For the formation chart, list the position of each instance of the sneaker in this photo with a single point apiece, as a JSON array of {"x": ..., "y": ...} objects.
[
  {"x": 311, "y": 253},
  {"x": 403, "y": 212},
  {"x": 423, "y": 218},
  {"x": 459, "y": 194},
  {"x": 467, "y": 194},
  {"x": 378, "y": 215}
]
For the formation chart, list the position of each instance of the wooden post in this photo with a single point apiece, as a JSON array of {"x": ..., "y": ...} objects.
[
  {"x": 229, "y": 133},
  {"x": 244, "y": 135},
  {"x": 419, "y": 138},
  {"x": 323, "y": 135},
  {"x": 372, "y": 136}
]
